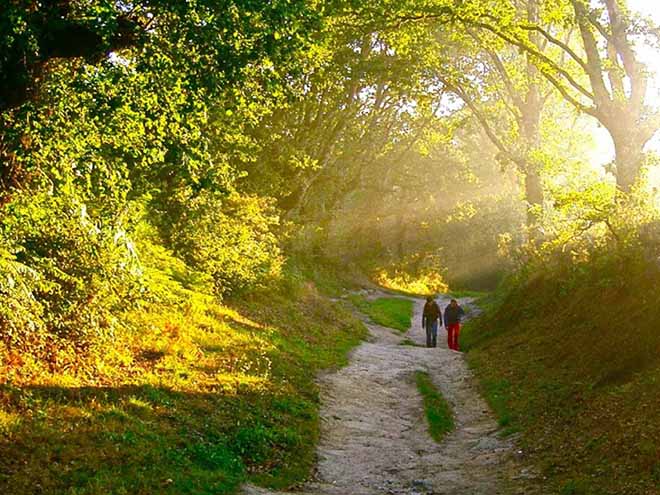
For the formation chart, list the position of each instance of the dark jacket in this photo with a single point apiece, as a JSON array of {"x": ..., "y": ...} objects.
[
  {"x": 431, "y": 313},
  {"x": 453, "y": 315}
]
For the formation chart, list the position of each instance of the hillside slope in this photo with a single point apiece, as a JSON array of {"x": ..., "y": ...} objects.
[
  {"x": 571, "y": 359},
  {"x": 189, "y": 396}
]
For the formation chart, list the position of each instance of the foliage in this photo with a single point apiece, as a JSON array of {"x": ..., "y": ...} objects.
[
  {"x": 231, "y": 239},
  {"x": 189, "y": 396},
  {"x": 415, "y": 281},
  {"x": 122, "y": 116},
  {"x": 65, "y": 272}
]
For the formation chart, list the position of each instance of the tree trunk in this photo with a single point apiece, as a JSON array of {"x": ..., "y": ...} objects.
[
  {"x": 629, "y": 137},
  {"x": 629, "y": 155},
  {"x": 533, "y": 185},
  {"x": 530, "y": 124},
  {"x": 533, "y": 194}
]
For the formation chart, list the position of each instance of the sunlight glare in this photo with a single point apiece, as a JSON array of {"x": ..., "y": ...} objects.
[{"x": 649, "y": 55}]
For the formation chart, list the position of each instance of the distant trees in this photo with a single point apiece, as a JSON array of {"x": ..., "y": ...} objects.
[
  {"x": 506, "y": 96},
  {"x": 217, "y": 129}
]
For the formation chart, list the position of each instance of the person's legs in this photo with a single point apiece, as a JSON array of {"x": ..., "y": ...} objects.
[
  {"x": 434, "y": 334},
  {"x": 428, "y": 334},
  {"x": 454, "y": 330}
]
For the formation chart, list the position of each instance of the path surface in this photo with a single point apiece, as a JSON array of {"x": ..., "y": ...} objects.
[{"x": 374, "y": 437}]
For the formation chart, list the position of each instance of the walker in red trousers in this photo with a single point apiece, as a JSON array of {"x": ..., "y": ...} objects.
[
  {"x": 452, "y": 335},
  {"x": 453, "y": 315}
]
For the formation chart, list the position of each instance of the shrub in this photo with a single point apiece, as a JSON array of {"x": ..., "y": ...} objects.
[
  {"x": 230, "y": 238},
  {"x": 63, "y": 271}
]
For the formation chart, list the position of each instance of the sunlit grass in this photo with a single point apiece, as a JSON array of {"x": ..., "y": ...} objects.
[
  {"x": 190, "y": 396},
  {"x": 391, "y": 312}
]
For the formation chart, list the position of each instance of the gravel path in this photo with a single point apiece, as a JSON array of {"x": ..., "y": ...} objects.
[{"x": 374, "y": 437}]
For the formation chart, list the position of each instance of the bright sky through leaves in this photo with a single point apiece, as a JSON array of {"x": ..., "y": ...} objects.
[{"x": 651, "y": 57}]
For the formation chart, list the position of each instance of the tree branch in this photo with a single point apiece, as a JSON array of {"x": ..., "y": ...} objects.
[
  {"x": 564, "y": 46},
  {"x": 535, "y": 53}
]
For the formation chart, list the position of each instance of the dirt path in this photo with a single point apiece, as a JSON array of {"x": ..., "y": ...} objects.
[{"x": 374, "y": 437}]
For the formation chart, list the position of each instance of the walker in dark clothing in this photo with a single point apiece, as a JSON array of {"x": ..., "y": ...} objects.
[{"x": 431, "y": 316}]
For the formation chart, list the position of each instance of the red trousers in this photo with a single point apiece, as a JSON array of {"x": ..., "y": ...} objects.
[{"x": 452, "y": 335}]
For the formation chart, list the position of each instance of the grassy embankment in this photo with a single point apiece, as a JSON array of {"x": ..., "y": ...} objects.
[
  {"x": 437, "y": 409},
  {"x": 189, "y": 397},
  {"x": 391, "y": 312},
  {"x": 572, "y": 361}
]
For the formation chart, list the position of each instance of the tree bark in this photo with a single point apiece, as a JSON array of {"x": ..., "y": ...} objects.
[
  {"x": 629, "y": 141},
  {"x": 623, "y": 115},
  {"x": 530, "y": 123}
]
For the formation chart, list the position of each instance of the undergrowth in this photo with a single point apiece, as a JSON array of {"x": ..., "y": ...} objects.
[{"x": 187, "y": 396}]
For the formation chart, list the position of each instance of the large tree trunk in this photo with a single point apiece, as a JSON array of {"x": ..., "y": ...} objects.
[
  {"x": 619, "y": 103},
  {"x": 531, "y": 116},
  {"x": 629, "y": 154},
  {"x": 629, "y": 135}
]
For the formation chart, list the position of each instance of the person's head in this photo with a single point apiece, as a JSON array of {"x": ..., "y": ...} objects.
[
  {"x": 453, "y": 302},
  {"x": 429, "y": 298}
]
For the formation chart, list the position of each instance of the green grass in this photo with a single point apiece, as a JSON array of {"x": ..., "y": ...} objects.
[
  {"x": 391, "y": 312},
  {"x": 193, "y": 397},
  {"x": 437, "y": 410}
]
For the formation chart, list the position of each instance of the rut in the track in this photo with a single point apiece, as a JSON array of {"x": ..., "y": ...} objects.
[{"x": 374, "y": 437}]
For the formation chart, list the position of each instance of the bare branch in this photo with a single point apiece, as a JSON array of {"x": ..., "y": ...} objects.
[
  {"x": 483, "y": 121},
  {"x": 504, "y": 74}
]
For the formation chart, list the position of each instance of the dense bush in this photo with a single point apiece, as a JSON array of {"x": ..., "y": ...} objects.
[
  {"x": 96, "y": 137},
  {"x": 64, "y": 272},
  {"x": 231, "y": 238}
]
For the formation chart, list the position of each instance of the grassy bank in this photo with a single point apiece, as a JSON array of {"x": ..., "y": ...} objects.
[
  {"x": 391, "y": 312},
  {"x": 571, "y": 360},
  {"x": 189, "y": 397}
]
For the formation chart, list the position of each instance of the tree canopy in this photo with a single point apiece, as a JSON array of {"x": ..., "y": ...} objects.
[{"x": 238, "y": 134}]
